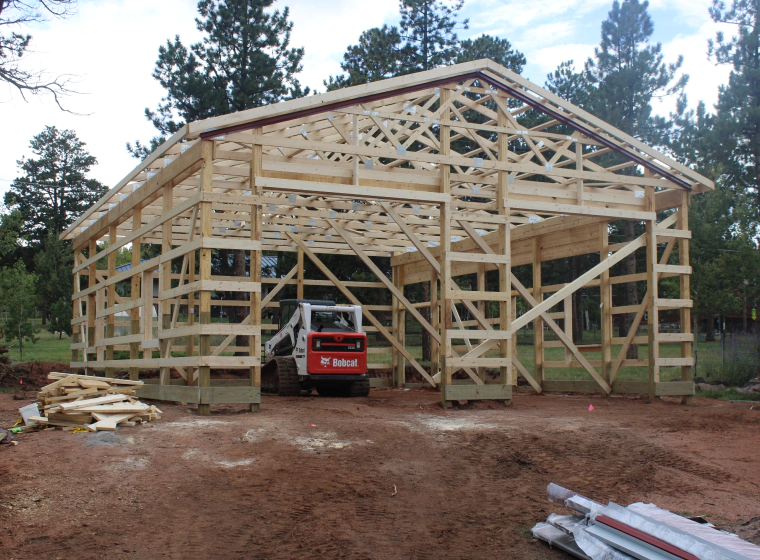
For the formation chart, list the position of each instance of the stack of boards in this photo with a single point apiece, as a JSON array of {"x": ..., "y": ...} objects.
[{"x": 94, "y": 403}]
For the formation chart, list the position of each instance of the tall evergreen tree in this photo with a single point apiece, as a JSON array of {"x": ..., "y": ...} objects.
[
  {"x": 627, "y": 72},
  {"x": 428, "y": 28},
  {"x": 54, "y": 189},
  {"x": 497, "y": 49},
  {"x": 425, "y": 39},
  {"x": 737, "y": 122},
  {"x": 53, "y": 265},
  {"x": 244, "y": 61},
  {"x": 374, "y": 57}
]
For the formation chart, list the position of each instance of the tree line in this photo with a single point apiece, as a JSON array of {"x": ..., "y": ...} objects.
[{"x": 246, "y": 60}]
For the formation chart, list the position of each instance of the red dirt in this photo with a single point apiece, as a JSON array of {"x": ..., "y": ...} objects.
[
  {"x": 470, "y": 483},
  {"x": 32, "y": 375}
]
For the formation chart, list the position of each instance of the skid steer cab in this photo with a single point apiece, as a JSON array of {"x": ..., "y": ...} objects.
[{"x": 319, "y": 346}]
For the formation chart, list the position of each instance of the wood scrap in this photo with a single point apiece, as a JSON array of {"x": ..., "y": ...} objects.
[{"x": 94, "y": 403}]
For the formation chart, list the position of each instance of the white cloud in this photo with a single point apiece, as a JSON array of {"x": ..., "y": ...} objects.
[
  {"x": 518, "y": 14},
  {"x": 704, "y": 76}
]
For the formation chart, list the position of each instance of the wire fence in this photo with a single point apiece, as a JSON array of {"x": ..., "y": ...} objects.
[{"x": 732, "y": 359}]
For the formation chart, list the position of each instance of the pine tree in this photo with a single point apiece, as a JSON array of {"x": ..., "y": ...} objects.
[
  {"x": 374, "y": 57},
  {"x": 244, "y": 61},
  {"x": 55, "y": 189},
  {"x": 428, "y": 28},
  {"x": 737, "y": 121},
  {"x": 60, "y": 318},
  {"x": 497, "y": 49},
  {"x": 53, "y": 265},
  {"x": 571, "y": 85},
  {"x": 627, "y": 72}
]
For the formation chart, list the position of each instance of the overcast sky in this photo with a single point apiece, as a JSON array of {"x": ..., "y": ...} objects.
[{"x": 111, "y": 45}]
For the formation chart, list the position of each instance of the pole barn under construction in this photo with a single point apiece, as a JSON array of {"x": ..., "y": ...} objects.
[{"x": 456, "y": 172}]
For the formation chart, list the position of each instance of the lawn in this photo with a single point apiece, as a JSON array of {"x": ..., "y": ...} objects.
[{"x": 50, "y": 348}]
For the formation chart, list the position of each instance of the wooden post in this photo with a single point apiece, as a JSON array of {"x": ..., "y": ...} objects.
[
  {"x": 514, "y": 339},
  {"x": 579, "y": 167},
  {"x": 505, "y": 249},
  {"x": 605, "y": 287},
  {"x": 255, "y": 260},
  {"x": 299, "y": 278},
  {"x": 481, "y": 287},
  {"x": 445, "y": 239},
  {"x": 76, "y": 313},
  {"x": 567, "y": 311},
  {"x": 134, "y": 328},
  {"x": 399, "y": 329},
  {"x": 111, "y": 301},
  {"x": 538, "y": 324},
  {"x": 191, "y": 311},
  {"x": 652, "y": 281},
  {"x": 435, "y": 322},
  {"x": 165, "y": 281},
  {"x": 684, "y": 259},
  {"x": 91, "y": 308},
  {"x": 207, "y": 174}
]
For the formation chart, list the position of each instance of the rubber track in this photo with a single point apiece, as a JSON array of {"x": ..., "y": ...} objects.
[
  {"x": 287, "y": 371},
  {"x": 359, "y": 388}
]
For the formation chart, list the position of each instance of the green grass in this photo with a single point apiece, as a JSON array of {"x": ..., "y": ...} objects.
[
  {"x": 48, "y": 348},
  {"x": 51, "y": 348},
  {"x": 729, "y": 394}
]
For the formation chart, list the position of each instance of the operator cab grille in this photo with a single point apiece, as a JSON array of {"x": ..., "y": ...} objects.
[{"x": 338, "y": 343}]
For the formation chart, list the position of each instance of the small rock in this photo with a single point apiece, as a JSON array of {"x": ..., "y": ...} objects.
[{"x": 709, "y": 387}]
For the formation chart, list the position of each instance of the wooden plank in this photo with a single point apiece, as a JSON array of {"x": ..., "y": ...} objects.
[
  {"x": 476, "y": 362},
  {"x": 109, "y": 422},
  {"x": 349, "y": 191},
  {"x": 92, "y": 402},
  {"x": 452, "y": 334},
  {"x": 665, "y": 233},
  {"x": 472, "y": 295},
  {"x": 478, "y": 392},
  {"x": 673, "y": 303},
  {"x": 675, "y": 362},
  {"x": 672, "y": 269},
  {"x": 479, "y": 258}
]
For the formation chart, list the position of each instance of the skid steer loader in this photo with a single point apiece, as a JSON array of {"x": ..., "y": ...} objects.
[{"x": 319, "y": 346}]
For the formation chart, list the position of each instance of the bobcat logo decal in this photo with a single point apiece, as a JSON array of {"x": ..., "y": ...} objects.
[{"x": 325, "y": 361}]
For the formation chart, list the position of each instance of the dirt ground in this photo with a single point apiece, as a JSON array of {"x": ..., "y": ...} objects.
[{"x": 389, "y": 476}]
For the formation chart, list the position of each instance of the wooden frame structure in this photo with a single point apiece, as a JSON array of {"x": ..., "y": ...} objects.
[{"x": 450, "y": 173}]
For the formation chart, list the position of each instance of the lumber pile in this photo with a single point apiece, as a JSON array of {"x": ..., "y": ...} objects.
[
  {"x": 644, "y": 531},
  {"x": 92, "y": 403}
]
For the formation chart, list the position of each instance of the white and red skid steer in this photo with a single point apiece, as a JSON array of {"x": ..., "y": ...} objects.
[{"x": 319, "y": 346}]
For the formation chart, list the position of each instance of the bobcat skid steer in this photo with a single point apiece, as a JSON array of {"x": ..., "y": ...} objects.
[{"x": 319, "y": 346}]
